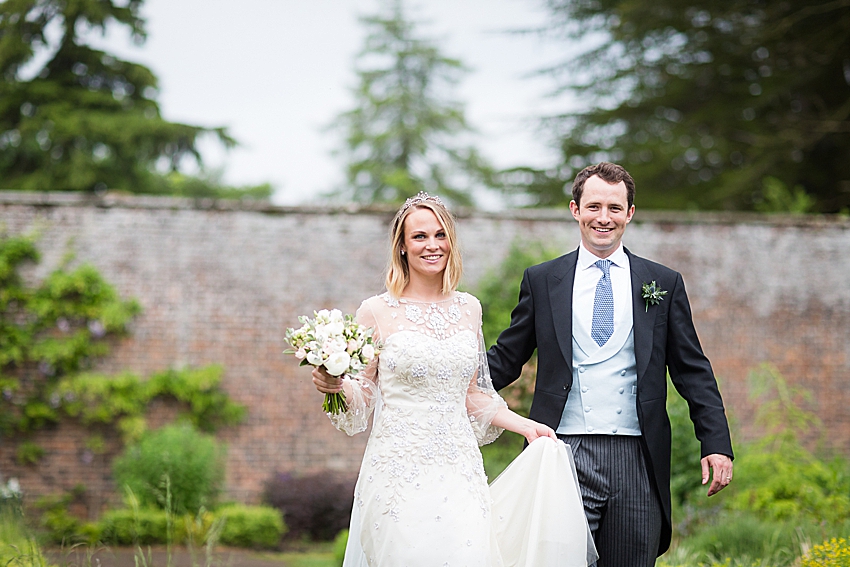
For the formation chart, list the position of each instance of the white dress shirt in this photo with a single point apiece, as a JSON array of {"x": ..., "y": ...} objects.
[{"x": 584, "y": 287}]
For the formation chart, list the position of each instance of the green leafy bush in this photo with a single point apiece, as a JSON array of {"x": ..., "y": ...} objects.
[
  {"x": 251, "y": 526},
  {"x": 128, "y": 526},
  {"x": 29, "y": 453},
  {"x": 48, "y": 331},
  {"x": 779, "y": 477},
  {"x": 745, "y": 537},
  {"x": 191, "y": 461},
  {"x": 257, "y": 527}
]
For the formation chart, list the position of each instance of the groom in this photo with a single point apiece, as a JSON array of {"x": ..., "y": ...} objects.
[{"x": 604, "y": 349}]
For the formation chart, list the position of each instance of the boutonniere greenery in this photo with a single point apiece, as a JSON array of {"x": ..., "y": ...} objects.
[{"x": 652, "y": 294}]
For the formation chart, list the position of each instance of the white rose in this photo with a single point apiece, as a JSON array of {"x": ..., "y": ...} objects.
[
  {"x": 300, "y": 353},
  {"x": 334, "y": 328},
  {"x": 337, "y": 363},
  {"x": 324, "y": 314},
  {"x": 333, "y": 345},
  {"x": 368, "y": 352},
  {"x": 336, "y": 315},
  {"x": 314, "y": 358}
]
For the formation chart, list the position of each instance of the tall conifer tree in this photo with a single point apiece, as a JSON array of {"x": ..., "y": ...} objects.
[
  {"x": 405, "y": 134},
  {"x": 717, "y": 104},
  {"x": 86, "y": 120}
]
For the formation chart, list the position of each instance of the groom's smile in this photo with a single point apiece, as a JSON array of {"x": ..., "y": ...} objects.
[{"x": 602, "y": 215}]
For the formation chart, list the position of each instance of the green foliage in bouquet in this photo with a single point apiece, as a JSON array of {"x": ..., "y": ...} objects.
[{"x": 191, "y": 461}]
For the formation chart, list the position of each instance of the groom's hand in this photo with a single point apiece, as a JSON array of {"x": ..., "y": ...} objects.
[
  {"x": 721, "y": 472},
  {"x": 326, "y": 383}
]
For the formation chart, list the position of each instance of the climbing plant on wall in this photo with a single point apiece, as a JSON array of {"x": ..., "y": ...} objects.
[{"x": 51, "y": 334}]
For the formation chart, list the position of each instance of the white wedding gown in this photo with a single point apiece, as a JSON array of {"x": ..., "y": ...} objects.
[{"x": 422, "y": 499}]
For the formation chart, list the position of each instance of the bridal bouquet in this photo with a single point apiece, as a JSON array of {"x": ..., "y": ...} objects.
[{"x": 335, "y": 341}]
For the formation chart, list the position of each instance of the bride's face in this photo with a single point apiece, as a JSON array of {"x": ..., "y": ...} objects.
[{"x": 425, "y": 244}]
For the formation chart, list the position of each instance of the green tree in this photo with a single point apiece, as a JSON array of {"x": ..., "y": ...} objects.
[
  {"x": 709, "y": 104},
  {"x": 86, "y": 120},
  {"x": 403, "y": 134}
]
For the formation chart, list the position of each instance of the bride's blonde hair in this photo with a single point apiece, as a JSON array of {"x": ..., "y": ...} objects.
[{"x": 398, "y": 271}]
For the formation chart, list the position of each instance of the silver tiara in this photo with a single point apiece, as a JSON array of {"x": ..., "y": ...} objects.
[{"x": 421, "y": 197}]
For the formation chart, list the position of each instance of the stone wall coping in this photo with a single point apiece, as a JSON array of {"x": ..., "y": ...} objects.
[{"x": 127, "y": 201}]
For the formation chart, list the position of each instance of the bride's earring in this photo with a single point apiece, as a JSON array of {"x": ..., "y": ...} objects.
[{"x": 402, "y": 252}]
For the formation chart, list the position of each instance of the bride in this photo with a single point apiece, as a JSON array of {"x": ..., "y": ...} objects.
[{"x": 422, "y": 498}]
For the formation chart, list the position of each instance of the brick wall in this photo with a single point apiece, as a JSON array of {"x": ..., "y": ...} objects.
[{"x": 220, "y": 282}]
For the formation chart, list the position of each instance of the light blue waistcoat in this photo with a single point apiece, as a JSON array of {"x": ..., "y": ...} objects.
[{"x": 603, "y": 398}]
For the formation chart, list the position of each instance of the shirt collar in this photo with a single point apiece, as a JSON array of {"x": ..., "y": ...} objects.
[{"x": 586, "y": 258}]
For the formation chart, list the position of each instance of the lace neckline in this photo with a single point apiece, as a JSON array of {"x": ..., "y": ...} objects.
[{"x": 451, "y": 297}]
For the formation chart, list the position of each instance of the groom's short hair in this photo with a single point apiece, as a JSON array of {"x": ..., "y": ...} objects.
[{"x": 608, "y": 172}]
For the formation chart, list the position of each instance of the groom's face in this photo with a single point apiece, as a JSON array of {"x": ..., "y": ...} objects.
[{"x": 602, "y": 215}]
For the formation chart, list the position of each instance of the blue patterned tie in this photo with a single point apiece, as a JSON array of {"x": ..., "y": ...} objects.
[{"x": 602, "y": 326}]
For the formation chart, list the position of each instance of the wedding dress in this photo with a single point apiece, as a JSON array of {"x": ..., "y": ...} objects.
[{"x": 422, "y": 497}]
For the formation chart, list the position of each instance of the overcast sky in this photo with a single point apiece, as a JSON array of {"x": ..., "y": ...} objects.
[{"x": 276, "y": 73}]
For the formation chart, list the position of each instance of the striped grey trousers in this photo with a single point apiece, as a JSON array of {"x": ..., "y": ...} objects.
[{"x": 622, "y": 510}]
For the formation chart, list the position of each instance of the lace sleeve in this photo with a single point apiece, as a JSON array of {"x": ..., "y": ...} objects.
[
  {"x": 361, "y": 391},
  {"x": 482, "y": 401}
]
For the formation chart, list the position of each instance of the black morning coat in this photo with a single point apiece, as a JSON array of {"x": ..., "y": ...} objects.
[{"x": 664, "y": 339}]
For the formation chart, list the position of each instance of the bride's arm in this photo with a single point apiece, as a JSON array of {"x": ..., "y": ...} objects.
[
  {"x": 488, "y": 412},
  {"x": 528, "y": 428}
]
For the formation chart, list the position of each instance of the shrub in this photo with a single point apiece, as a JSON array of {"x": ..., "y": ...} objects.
[
  {"x": 318, "y": 506},
  {"x": 129, "y": 526},
  {"x": 191, "y": 461},
  {"x": 833, "y": 553},
  {"x": 744, "y": 536},
  {"x": 251, "y": 526}
]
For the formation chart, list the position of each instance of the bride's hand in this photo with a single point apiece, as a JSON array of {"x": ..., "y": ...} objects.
[
  {"x": 536, "y": 430},
  {"x": 326, "y": 383}
]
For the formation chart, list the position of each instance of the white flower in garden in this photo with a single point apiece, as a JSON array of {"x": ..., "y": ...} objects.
[
  {"x": 337, "y": 363},
  {"x": 368, "y": 352}
]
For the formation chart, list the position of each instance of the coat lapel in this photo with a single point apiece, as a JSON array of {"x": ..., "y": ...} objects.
[
  {"x": 560, "y": 283},
  {"x": 643, "y": 320}
]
